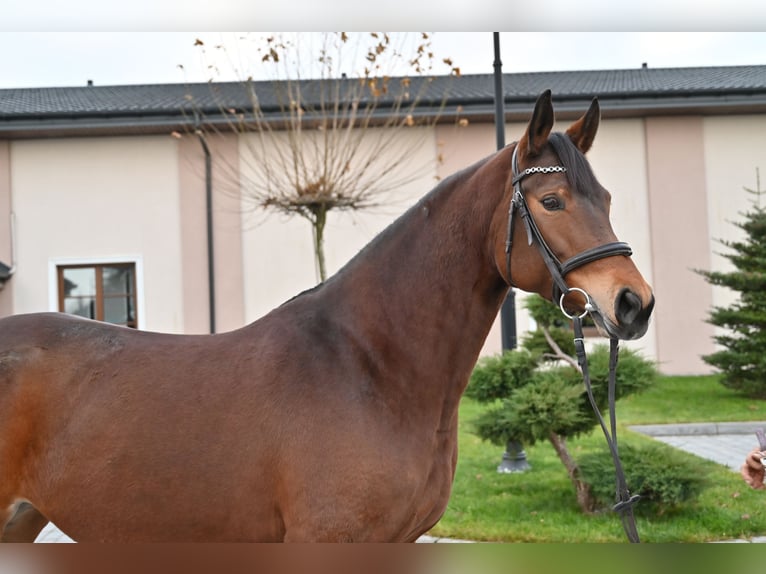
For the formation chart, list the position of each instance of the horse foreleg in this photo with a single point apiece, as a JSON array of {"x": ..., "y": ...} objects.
[{"x": 24, "y": 524}]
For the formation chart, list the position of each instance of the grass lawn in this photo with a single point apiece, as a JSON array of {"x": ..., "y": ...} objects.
[
  {"x": 689, "y": 399},
  {"x": 539, "y": 505}
]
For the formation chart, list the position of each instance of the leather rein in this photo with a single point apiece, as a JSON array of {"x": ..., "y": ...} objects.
[{"x": 558, "y": 270}]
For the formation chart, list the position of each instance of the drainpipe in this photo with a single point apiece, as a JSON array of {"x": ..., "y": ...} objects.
[{"x": 209, "y": 205}]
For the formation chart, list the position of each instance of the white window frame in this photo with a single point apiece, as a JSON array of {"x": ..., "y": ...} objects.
[{"x": 136, "y": 260}]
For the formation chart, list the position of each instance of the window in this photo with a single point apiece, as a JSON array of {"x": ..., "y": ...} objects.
[{"x": 102, "y": 292}]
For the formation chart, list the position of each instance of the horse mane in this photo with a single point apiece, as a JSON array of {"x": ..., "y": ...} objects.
[{"x": 579, "y": 172}]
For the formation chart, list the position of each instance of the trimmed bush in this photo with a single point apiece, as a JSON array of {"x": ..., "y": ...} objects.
[
  {"x": 536, "y": 393},
  {"x": 536, "y": 400},
  {"x": 496, "y": 376},
  {"x": 664, "y": 477}
]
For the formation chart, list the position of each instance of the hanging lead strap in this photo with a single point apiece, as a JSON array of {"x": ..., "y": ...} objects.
[{"x": 625, "y": 502}]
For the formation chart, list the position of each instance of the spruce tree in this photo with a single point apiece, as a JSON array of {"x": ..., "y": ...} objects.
[{"x": 742, "y": 359}]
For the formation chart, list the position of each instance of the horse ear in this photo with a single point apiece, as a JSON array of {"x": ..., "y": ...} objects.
[
  {"x": 539, "y": 127},
  {"x": 583, "y": 131}
]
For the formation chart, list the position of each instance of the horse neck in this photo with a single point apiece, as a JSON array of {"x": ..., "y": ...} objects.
[{"x": 422, "y": 297}]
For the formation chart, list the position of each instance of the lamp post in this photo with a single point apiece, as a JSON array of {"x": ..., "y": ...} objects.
[
  {"x": 508, "y": 310},
  {"x": 514, "y": 457}
]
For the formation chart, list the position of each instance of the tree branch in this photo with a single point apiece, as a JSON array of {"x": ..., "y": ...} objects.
[{"x": 557, "y": 352}]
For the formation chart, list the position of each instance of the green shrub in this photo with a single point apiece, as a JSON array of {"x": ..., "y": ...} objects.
[
  {"x": 547, "y": 403},
  {"x": 535, "y": 400},
  {"x": 634, "y": 375},
  {"x": 497, "y": 376},
  {"x": 664, "y": 477},
  {"x": 532, "y": 398},
  {"x": 546, "y": 313}
]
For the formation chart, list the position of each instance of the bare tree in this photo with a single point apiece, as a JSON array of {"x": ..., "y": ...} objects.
[{"x": 324, "y": 132}]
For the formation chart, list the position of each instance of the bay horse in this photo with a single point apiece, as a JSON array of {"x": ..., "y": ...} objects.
[{"x": 333, "y": 417}]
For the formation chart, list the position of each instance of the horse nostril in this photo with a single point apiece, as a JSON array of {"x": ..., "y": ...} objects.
[{"x": 627, "y": 307}]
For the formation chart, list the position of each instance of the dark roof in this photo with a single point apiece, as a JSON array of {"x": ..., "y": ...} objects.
[{"x": 161, "y": 107}]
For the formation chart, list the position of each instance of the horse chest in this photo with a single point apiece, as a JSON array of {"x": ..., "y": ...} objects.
[{"x": 434, "y": 486}]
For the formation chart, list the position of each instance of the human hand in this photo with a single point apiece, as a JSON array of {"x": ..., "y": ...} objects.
[{"x": 752, "y": 471}]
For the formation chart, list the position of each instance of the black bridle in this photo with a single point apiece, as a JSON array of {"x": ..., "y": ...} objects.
[{"x": 558, "y": 271}]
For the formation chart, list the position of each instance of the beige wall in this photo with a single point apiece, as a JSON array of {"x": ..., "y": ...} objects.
[
  {"x": 6, "y": 251},
  {"x": 99, "y": 200},
  {"x": 227, "y": 234},
  {"x": 676, "y": 184},
  {"x": 618, "y": 158},
  {"x": 680, "y": 241},
  {"x": 278, "y": 250}
]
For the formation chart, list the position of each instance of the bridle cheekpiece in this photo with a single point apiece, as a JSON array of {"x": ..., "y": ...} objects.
[{"x": 557, "y": 269}]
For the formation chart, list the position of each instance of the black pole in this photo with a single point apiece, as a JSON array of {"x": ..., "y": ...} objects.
[
  {"x": 499, "y": 94},
  {"x": 508, "y": 310},
  {"x": 514, "y": 458}
]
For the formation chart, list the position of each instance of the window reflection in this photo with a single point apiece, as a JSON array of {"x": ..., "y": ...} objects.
[
  {"x": 117, "y": 280},
  {"x": 82, "y": 306},
  {"x": 118, "y": 310},
  {"x": 101, "y": 292},
  {"x": 79, "y": 281}
]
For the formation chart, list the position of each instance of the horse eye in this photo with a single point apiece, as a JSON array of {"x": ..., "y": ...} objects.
[{"x": 552, "y": 203}]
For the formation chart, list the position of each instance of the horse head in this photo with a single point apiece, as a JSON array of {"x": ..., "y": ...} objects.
[{"x": 554, "y": 237}]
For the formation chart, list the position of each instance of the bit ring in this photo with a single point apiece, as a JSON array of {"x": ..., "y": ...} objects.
[{"x": 588, "y": 304}]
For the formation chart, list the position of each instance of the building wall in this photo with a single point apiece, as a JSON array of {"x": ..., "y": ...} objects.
[
  {"x": 278, "y": 249},
  {"x": 676, "y": 182},
  {"x": 6, "y": 251},
  {"x": 680, "y": 241},
  {"x": 99, "y": 200},
  {"x": 227, "y": 234},
  {"x": 618, "y": 158}
]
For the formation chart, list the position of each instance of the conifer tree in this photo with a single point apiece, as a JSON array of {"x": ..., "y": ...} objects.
[{"x": 742, "y": 358}]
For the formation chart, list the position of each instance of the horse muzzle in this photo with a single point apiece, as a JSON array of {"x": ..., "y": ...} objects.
[{"x": 631, "y": 316}]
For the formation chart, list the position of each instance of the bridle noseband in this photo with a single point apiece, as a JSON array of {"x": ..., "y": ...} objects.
[{"x": 557, "y": 269}]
